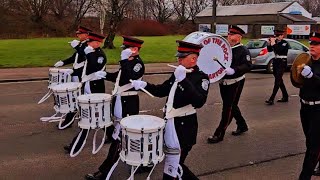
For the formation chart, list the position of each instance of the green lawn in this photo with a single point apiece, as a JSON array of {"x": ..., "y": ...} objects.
[{"x": 47, "y": 51}]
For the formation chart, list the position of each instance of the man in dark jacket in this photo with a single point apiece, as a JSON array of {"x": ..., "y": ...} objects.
[{"x": 231, "y": 86}]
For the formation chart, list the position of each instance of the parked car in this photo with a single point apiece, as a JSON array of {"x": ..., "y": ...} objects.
[{"x": 262, "y": 59}]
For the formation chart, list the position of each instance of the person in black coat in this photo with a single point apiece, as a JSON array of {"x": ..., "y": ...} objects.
[
  {"x": 310, "y": 108},
  {"x": 231, "y": 86},
  {"x": 186, "y": 92},
  {"x": 125, "y": 101},
  {"x": 280, "y": 47},
  {"x": 95, "y": 61},
  {"x": 78, "y": 59}
]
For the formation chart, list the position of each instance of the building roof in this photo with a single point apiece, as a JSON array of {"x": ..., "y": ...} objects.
[
  {"x": 298, "y": 18},
  {"x": 316, "y": 19},
  {"x": 247, "y": 9}
]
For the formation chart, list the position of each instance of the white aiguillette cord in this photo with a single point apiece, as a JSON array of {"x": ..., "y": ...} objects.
[
  {"x": 144, "y": 90},
  {"x": 173, "y": 66}
]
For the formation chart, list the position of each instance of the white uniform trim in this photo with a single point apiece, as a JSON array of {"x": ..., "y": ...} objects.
[
  {"x": 280, "y": 57},
  {"x": 231, "y": 81},
  {"x": 310, "y": 102}
]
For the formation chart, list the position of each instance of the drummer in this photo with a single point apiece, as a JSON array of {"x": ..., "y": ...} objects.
[
  {"x": 78, "y": 59},
  {"x": 96, "y": 61},
  {"x": 310, "y": 108},
  {"x": 126, "y": 99},
  {"x": 231, "y": 86},
  {"x": 186, "y": 92}
]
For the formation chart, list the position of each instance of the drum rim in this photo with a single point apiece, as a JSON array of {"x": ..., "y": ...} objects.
[
  {"x": 93, "y": 101},
  {"x": 56, "y": 70},
  {"x": 55, "y": 87},
  {"x": 149, "y": 130}
]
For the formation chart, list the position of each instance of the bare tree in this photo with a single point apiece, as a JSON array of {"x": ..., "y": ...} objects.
[
  {"x": 313, "y": 6},
  {"x": 115, "y": 10},
  {"x": 35, "y": 9},
  {"x": 182, "y": 10},
  {"x": 161, "y": 10},
  {"x": 80, "y": 8},
  {"x": 60, "y": 7},
  {"x": 197, "y": 6}
]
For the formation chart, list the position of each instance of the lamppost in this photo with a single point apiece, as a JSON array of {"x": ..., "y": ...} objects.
[{"x": 214, "y": 16}]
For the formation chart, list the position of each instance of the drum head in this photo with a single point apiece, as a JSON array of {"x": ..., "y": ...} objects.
[
  {"x": 71, "y": 86},
  {"x": 136, "y": 123},
  {"x": 59, "y": 70},
  {"x": 297, "y": 66},
  {"x": 215, "y": 48},
  {"x": 94, "y": 98}
]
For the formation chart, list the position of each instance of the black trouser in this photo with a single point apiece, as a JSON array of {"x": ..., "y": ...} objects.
[
  {"x": 309, "y": 115},
  {"x": 187, "y": 174},
  {"x": 279, "y": 67},
  {"x": 113, "y": 156},
  {"x": 230, "y": 95}
]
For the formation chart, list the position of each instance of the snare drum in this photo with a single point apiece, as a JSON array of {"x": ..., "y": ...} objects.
[
  {"x": 65, "y": 96},
  {"x": 142, "y": 140},
  {"x": 94, "y": 111},
  {"x": 59, "y": 76}
]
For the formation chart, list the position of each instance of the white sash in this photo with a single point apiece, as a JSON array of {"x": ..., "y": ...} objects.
[{"x": 171, "y": 140}]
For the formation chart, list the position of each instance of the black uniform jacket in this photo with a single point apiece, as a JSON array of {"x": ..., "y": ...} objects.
[
  {"x": 310, "y": 90},
  {"x": 280, "y": 48},
  {"x": 95, "y": 62},
  {"x": 81, "y": 58},
  {"x": 192, "y": 90},
  {"x": 130, "y": 69},
  {"x": 241, "y": 62}
]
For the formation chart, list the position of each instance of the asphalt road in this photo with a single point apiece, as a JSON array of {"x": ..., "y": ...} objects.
[{"x": 272, "y": 148}]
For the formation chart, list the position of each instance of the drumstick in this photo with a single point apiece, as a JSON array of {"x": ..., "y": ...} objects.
[
  {"x": 216, "y": 59},
  {"x": 147, "y": 92},
  {"x": 173, "y": 66}
]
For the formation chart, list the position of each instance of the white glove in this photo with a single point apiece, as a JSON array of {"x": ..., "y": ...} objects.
[
  {"x": 88, "y": 50},
  {"x": 125, "y": 54},
  {"x": 74, "y": 43},
  {"x": 138, "y": 84},
  {"x": 58, "y": 64},
  {"x": 100, "y": 74},
  {"x": 306, "y": 72},
  {"x": 229, "y": 71},
  {"x": 180, "y": 73}
]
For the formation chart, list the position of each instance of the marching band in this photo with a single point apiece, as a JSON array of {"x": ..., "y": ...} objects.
[{"x": 143, "y": 141}]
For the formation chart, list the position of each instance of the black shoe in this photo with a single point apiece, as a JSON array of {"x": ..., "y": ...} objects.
[
  {"x": 283, "y": 100},
  {"x": 239, "y": 131},
  {"x": 67, "y": 149},
  {"x": 96, "y": 176},
  {"x": 316, "y": 172},
  {"x": 269, "y": 102},
  {"x": 214, "y": 139}
]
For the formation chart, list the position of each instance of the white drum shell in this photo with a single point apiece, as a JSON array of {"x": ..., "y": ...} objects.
[
  {"x": 142, "y": 140},
  {"x": 214, "y": 46},
  {"x": 58, "y": 76},
  {"x": 95, "y": 111},
  {"x": 65, "y": 96}
]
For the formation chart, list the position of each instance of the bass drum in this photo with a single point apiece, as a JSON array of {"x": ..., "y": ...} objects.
[{"x": 215, "y": 48}]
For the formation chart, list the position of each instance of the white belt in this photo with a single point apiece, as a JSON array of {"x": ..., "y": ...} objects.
[
  {"x": 310, "y": 102},
  {"x": 129, "y": 93},
  {"x": 180, "y": 112},
  {"x": 231, "y": 81},
  {"x": 281, "y": 57}
]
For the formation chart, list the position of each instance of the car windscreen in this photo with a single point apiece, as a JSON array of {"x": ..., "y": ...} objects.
[{"x": 256, "y": 44}]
